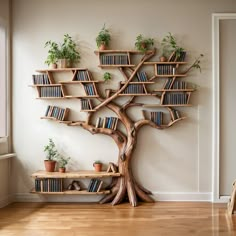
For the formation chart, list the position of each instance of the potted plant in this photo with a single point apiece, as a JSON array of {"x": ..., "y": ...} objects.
[
  {"x": 66, "y": 54},
  {"x": 97, "y": 165},
  {"x": 107, "y": 76},
  {"x": 62, "y": 162},
  {"x": 169, "y": 43},
  {"x": 143, "y": 44},
  {"x": 53, "y": 54},
  {"x": 103, "y": 38},
  {"x": 51, "y": 156}
]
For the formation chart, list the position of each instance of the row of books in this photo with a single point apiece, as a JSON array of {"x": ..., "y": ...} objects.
[
  {"x": 174, "y": 57},
  {"x": 95, "y": 185},
  {"x": 176, "y": 85},
  {"x": 107, "y": 122},
  {"x": 114, "y": 60},
  {"x": 82, "y": 75},
  {"x": 142, "y": 76},
  {"x": 166, "y": 70},
  {"x": 89, "y": 89},
  {"x": 157, "y": 117},
  {"x": 134, "y": 89},
  {"x": 86, "y": 104},
  {"x": 48, "y": 185},
  {"x": 40, "y": 79},
  {"x": 175, "y": 98},
  {"x": 52, "y": 91},
  {"x": 56, "y": 112}
]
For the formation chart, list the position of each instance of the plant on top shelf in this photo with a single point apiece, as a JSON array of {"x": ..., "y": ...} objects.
[
  {"x": 62, "y": 162},
  {"x": 51, "y": 155},
  {"x": 169, "y": 43},
  {"x": 107, "y": 76},
  {"x": 66, "y": 53},
  {"x": 103, "y": 38},
  {"x": 143, "y": 44},
  {"x": 97, "y": 165}
]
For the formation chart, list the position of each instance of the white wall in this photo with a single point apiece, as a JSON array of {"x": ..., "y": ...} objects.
[{"x": 175, "y": 163}]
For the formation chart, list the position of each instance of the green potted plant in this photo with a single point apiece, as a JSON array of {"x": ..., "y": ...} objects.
[
  {"x": 169, "y": 43},
  {"x": 62, "y": 162},
  {"x": 53, "y": 54},
  {"x": 51, "y": 155},
  {"x": 97, "y": 165},
  {"x": 66, "y": 54},
  {"x": 103, "y": 38},
  {"x": 107, "y": 76},
  {"x": 142, "y": 44}
]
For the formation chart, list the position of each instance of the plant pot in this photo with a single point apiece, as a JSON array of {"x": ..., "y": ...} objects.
[
  {"x": 103, "y": 46},
  {"x": 65, "y": 63},
  {"x": 163, "y": 59},
  {"x": 98, "y": 167},
  {"x": 53, "y": 66},
  {"x": 62, "y": 169},
  {"x": 49, "y": 165}
]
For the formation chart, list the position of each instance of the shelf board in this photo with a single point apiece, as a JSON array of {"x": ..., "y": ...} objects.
[
  {"x": 50, "y": 98},
  {"x": 174, "y": 90},
  {"x": 88, "y": 110},
  {"x": 118, "y": 51},
  {"x": 73, "y": 192},
  {"x": 139, "y": 82},
  {"x": 136, "y": 94},
  {"x": 87, "y": 96},
  {"x": 45, "y": 85},
  {"x": 54, "y": 119},
  {"x": 59, "y": 70},
  {"x": 114, "y": 66},
  {"x": 169, "y": 105},
  {"x": 80, "y": 82},
  {"x": 168, "y": 76},
  {"x": 164, "y": 63},
  {"x": 74, "y": 174}
]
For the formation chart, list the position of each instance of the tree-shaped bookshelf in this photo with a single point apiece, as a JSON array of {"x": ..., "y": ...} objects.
[{"x": 175, "y": 93}]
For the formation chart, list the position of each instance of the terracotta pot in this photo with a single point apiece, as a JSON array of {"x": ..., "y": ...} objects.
[
  {"x": 98, "y": 167},
  {"x": 102, "y": 47},
  {"x": 49, "y": 165},
  {"x": 163, "y": 59},
  {"x": 53, "y": 66},
  {"x": 62, "y": 169}
]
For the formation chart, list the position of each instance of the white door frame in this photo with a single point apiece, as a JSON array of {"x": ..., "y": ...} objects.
[{"x": 216, "y": 18}]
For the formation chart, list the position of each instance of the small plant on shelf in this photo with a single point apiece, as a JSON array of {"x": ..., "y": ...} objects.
[
  {"x": 107, "y": 76},
  {"x": 51, "y": 155},
  {"x": 143, "y": 44},
  {"x": 97, "y": 165},
  {"x": 103, "y": 38},
  {"x": 62, "y": 162},
  {"x": 66, "y": 53}
]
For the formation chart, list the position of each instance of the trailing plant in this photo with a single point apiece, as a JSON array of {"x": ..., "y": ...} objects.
[
  {"x": 195, "y": 64},
  {"x": 143, "y": 44},
  {"x": 63, "y": 161},
  {"x": 107, "y": 76},
  {"x": 103, "y": 37},
  {"x": 51, "y": 151},
  {"x": 169, "y": 43}
]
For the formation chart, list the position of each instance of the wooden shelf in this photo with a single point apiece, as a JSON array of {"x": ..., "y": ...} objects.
[
  {"x": 117, "y": 51},
  {"x": 136, "y": 94},
  {"x": 88, "y": 96},
  {"x": 54, "y": 119},
  {"x": 174, "y": 90},
  {"x": 165, "y": 63},
  {"x": 88, "y": 110},
  {"x": 167, "y": 105},
  {"x": 171, "y": 75},
  {"x": 45, "y": 85},
  {"x": 59, "y": 70},
  {"x": 74, "y": 174},
  {"x": 50, "y": 98},
  {"x": 80, "y": 82},
  {"x": 139, "y": 82},
  {"x": 73, "y": 192},
  {"x": 114, "y": 66}
]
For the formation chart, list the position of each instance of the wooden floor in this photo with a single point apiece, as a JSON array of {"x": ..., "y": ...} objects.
[{"x": 161, "y": 218}]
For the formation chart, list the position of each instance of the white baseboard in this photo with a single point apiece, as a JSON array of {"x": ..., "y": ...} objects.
[{"x": 158, "y": 196}]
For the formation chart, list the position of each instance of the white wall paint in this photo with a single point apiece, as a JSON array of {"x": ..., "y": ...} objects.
[{"x": 176, "y": 160}]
